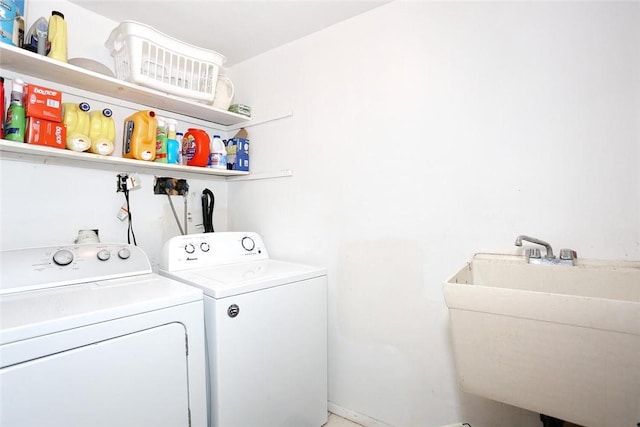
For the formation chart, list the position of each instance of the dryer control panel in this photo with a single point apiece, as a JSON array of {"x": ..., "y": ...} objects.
[
  {"x": 211, "y": 249},
  {"x": 46, "y": 267}
]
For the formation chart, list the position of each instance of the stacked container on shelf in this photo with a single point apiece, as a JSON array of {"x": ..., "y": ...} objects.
[
  {"x": 34, "y": 115},
  {"x": 89, "y": 131}
]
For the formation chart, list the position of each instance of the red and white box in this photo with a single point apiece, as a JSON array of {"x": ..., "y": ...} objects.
[
  {"x": 45, "y": 132},
  {"x": 43, "y": 103}
]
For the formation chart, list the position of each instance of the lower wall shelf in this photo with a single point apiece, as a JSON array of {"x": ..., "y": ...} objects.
[{"x": 11, "y": 150}]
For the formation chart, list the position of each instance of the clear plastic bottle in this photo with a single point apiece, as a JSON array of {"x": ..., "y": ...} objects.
[
  {"x": 218, "y": 154},
  {"x": 181, "y": 158},
  {"x": 16, "y": 121},
  {"x": 57, "y": 36}
]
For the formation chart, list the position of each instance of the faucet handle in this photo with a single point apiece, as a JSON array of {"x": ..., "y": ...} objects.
[
  {"x": 533, "y": 253},
  {"x": 568, "y": 254}
]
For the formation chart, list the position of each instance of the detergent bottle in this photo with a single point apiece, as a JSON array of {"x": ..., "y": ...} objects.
[
  {"x": 217, "y": 154},
  {"x": 57, "y": 36},
  {"x": 1, "y": 107},
  {"x": 76, "y": 118},
  {"x": 195, "y": 147},
  {"x": 140, "y": 136},
  {"x": 173, "y": 146},
  {"x": 16, "y": 121},
  {"x": 102, "y": 132},
  {"x": 161, "y": 140}
]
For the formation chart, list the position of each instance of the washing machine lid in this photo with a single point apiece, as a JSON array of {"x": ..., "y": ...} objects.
[
  {"x": 235, "y": 279},
  {"x": 34, "y": 313}
]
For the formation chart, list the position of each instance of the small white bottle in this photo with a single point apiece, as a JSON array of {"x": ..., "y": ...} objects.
[{"x": 217, "y": 153}]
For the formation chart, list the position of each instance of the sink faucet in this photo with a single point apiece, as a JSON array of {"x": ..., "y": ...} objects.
[
  {"x": 567, "y": 256},
  {"x": 549, "y": 254}
]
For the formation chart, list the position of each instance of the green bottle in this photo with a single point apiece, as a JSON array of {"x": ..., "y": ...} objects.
[{"x": 16, "y": 122}]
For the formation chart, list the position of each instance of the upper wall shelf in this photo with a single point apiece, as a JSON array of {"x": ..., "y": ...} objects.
[{"x": 30, "y": 64}]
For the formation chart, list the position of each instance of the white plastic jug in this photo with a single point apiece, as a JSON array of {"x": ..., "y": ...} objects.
[{"x": 224, "y": 92}]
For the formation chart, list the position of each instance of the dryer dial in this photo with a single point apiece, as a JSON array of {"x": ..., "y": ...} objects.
[
  {"x": 189, "y": 248},
  {"x": 63, "y": 257},
  {"x": 124, "y": 253},
  {"x": 204, "y": 246},
  {"x": 248, "y": 244},
  {"x": 104, "y": 255}
]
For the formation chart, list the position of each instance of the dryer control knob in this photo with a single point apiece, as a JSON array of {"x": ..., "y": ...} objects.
[
  {"x": 204, "y": 246},
  {"x": 104, "y": 255},
  {"x": 248, "y": 244},
  {"x": 63, "y": 257},
  {"x": 189, "y": 248},
  {"x": 124, "y": 253}
]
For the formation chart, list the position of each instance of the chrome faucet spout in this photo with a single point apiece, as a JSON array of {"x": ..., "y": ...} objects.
[{"x": 547, "y": 246}]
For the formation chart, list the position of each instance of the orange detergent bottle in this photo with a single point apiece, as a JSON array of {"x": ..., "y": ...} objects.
[
  {"x": 195, "y": 147},
  {"x": 140, "y": 136}
]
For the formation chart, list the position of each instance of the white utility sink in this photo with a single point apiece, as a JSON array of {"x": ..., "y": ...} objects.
[{"x": 558, "y": 340}]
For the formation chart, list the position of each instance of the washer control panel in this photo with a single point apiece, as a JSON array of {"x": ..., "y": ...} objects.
[
  {"x": 36, "y": 268},
  {"x": 211, "y": 249}
]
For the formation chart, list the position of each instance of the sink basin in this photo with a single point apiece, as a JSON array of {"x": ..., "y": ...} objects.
[{"x": 558, "y": 340}]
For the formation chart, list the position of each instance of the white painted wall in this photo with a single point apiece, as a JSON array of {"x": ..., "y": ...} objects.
[{"x": 424, "y": 132}]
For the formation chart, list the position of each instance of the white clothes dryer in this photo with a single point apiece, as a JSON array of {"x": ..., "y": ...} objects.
[
  {"x": 265, "y": 327},
  {"x": 89, "y": 336}
]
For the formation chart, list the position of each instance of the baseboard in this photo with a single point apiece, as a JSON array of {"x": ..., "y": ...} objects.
[{"x": 350, "y": 415}]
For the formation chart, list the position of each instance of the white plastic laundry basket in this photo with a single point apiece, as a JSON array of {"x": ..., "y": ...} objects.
[{"x": 150, "y": 58}]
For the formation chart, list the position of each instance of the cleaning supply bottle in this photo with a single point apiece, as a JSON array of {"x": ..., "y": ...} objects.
[
  {"x": 195, "y": 147},
  {"x": 173, "y": 146},
  {"x": 1, "y": 107},
  {"x": 57, "y": 36},
  {"x": 78, "y": 121},
  {"x": 16, "y": 120},
  {"x": 140, "y": 136},
  {"x": 102, "y": 132},
  {"x": 180, "y": 138},
  {"x": 161, "y": 140},
  {"x": 218, "y": 154}
]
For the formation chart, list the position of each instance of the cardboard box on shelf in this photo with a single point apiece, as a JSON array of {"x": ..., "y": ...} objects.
[
  {"x": 240, "y": 163},
  {"x": 43, "y": 103},
  {"x": 45, "y": 132}
]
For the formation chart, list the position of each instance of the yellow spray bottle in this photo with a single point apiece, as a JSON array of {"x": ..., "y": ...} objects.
[{"x": 102, "y": 132}]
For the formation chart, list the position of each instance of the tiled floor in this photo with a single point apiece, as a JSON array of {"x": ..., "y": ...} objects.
[{"x": 336, "y": 421}]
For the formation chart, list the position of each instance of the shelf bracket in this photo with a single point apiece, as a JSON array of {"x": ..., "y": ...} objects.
[
  {"x": 262, "y": 175},
  {"x": 259, "y": 122}
]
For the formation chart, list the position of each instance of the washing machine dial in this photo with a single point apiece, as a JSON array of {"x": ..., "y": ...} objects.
[
  {"x": 189, "y": 248},
  {"x": 63, "y": 257},
  {"x": 104, "y": 255},
  {"x": 124, "y": 253},
  {"x": 248, "y": 244},
  {"x": 204, "y": 246}
]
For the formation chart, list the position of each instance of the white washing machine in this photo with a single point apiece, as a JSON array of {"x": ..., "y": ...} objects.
[
  {"x": 89, "y": 336},
  {"x": 265, "y": 327}
]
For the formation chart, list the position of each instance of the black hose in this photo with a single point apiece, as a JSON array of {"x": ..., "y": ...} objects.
[{"x": 208, "y": 201}]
